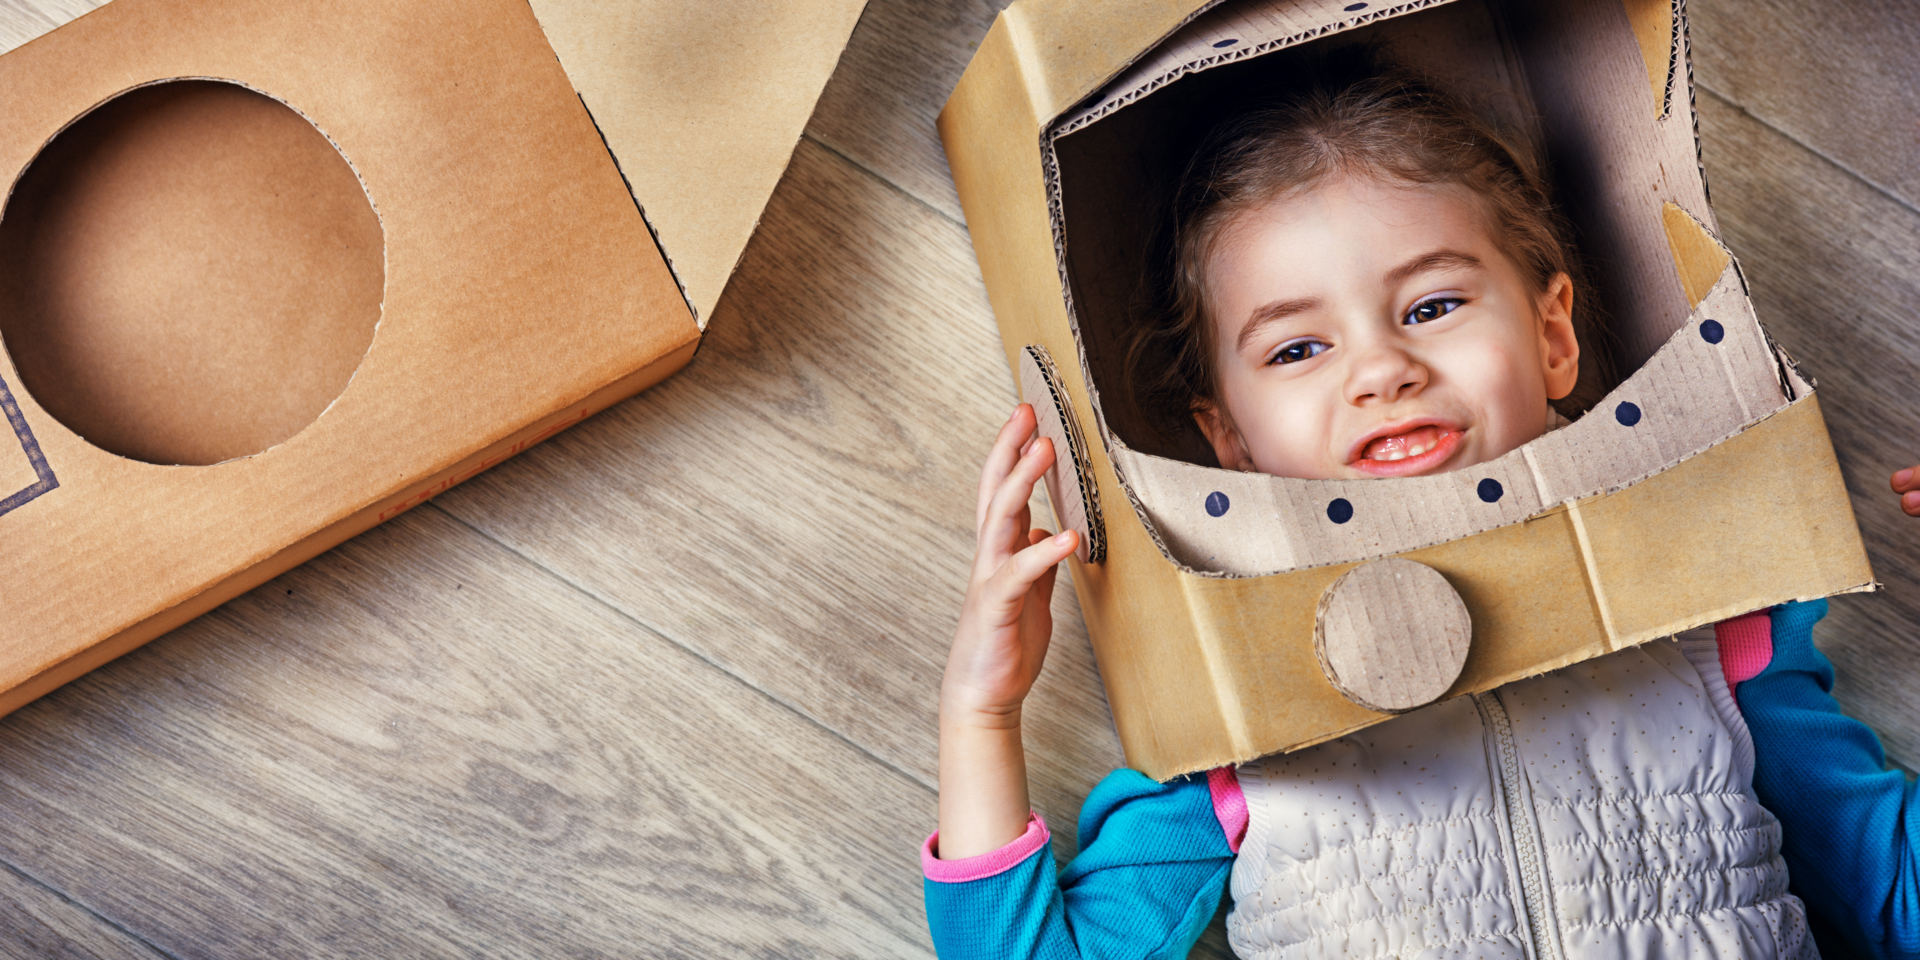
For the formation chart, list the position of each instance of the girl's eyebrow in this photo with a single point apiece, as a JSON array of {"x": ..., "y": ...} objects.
[
  {"x": 1430, "y": 261},
  {"x": 1273, "y": 312}
]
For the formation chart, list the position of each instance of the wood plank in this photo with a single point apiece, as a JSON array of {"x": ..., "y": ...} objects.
[
  {"x": 1841, "y": 76},
  {"x": 807, "y": 483},
  {"x": 1834, "y": 266},
  {"x": 22, "y": 20},
  {"x": 421, "y": 745},
  {"x": 899, "y": 66},
  {"x": 38, "y": 924}
]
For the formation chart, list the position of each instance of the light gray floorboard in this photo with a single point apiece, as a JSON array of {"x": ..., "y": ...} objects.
[
  {"x": 665, "y": 685},
  {"x": 37, "y": 923},
  {"x": 422, "y": 745},
  {"x": 1841, "y": 77}
]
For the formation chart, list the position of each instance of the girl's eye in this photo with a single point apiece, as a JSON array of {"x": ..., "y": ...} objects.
[
  {"x": 1298, "y": 350},
  {"x": 1432, "y": 309}
]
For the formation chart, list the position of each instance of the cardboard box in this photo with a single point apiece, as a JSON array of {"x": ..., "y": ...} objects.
[
  {"x": 272, "y": 273},
  {"x": 1702, "y": 486}
]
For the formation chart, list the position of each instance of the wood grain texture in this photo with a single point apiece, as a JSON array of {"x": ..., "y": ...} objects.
[
  {"x": 665, "y": 685},
  {"x": 37, "y": 923},
  {"x": 899, "y": 66},
  {"x": 420, "y": 745},
  {"x": 22, "y": 20},
  {"x": 1841, "y": 77},
  {"x": 807, "y": 485},
  {"x": 1834, "y": 267}
]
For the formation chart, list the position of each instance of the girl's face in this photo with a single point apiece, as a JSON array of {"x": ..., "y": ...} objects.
[{"x": 1366, "y": 329}]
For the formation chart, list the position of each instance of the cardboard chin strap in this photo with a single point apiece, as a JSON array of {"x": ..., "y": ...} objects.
[
  {"x": 1391, "y": 635},
  {"x": 1070, "y": 486}
]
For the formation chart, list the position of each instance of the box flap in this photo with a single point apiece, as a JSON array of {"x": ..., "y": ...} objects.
[{"x": 701, "y": 102}]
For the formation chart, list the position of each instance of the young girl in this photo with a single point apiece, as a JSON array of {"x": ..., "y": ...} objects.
[{"x": 1367, "y": 284}]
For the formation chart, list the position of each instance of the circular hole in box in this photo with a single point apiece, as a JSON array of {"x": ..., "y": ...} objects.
[{"x": 189, "y": 273}]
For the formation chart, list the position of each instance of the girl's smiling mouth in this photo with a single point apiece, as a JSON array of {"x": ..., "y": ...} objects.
[{"x": 1406, "y": 449}]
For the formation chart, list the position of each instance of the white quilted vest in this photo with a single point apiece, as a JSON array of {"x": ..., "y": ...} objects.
[{"x": 1604, "y": 810}]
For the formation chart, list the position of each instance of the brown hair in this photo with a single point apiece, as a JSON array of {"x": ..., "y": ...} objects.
[{"x": 1389, "y": 128}]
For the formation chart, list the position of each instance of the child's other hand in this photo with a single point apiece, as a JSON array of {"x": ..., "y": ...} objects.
[
  {"x": 1906, "y": 483},
  {"x": 1006, "y": 622}
]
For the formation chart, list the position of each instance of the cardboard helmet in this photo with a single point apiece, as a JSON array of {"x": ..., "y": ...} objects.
[{"x": 1240, "y": 614}]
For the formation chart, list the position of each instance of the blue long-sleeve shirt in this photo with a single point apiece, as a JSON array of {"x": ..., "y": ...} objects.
[
  {"x": 1850, "y": 825},
  {"x": 1153, "y": 864}
]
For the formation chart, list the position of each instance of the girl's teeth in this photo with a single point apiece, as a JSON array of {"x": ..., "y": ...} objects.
[
  {"x": 1396, "y": 455},
  {"x": 1416, "y": 450}
]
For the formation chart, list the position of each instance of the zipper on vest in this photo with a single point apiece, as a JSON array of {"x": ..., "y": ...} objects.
[{"x": 1529, "y": 860}]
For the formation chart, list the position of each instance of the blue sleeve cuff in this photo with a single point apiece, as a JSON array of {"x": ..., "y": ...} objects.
[{"x": 1152, "y": 867}]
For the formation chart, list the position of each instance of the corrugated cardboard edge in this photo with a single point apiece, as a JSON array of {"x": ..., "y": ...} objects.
[
  {"x": 997, "y": 166},
  {"x": 393, "y": 504},
  {"x": 1007, "y": 221},
  {"x": 702, "y": 105},
  {"x": 1071, "y": 487}
]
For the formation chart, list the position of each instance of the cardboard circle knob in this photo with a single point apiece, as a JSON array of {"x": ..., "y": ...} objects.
[
  {"x": 1391, "y": 635},
  {"x": 1070, "y": 486}
]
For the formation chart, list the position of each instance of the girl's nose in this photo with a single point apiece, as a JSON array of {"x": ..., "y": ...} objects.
[{"x": 1383, "y": 371}]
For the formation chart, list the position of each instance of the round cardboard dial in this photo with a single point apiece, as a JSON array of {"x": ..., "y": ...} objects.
[
  {"x": 1070, "y": 488},
  {"x": 1391, "y": 635}
]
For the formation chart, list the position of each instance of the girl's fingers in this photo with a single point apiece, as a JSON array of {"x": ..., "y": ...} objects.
[
  {"x": 1023, "y": 570},
  {"x": 1004, "y": 528},
  {"x": 1011, "y": 496},
  {"x": 1022, "y": 527},
  {"x": 1041, "y": 600},
  {"x": 1907, "y": 484},
  {"x": 1007, "y": 447}
]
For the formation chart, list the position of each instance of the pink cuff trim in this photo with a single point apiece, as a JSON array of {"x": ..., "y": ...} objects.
[
  {"x": 986, "y": 864},
  {"x": 1229, "y": 805},
  {"x": 1746, "y": 646}
]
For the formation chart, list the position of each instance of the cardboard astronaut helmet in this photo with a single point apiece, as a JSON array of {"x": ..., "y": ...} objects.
[{"x": 1238, "y": 614}]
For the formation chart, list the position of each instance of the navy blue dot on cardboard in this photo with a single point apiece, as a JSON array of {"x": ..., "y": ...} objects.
[
  {"x": 1712, "y": 332},
  {"x": 1490, "y": 490},
  {"x": 1628, "y": 413},
  {"x": 1217, "y": 504},
  {"x": 1351, "y": 7},
  {"x": 1340, "y": 511},
  {"x": 1226, "y": 43}
]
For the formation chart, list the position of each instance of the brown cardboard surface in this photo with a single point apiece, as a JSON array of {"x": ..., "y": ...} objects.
[
  {"x": 1653, "y": 26},
  {"x": 1391, "y": 635},
  {"x": 1656, "y": 584},
  {"x": 194, "y": 274},
  {"x": 522, "y": 291},
  {"x": 1204, "y": 637},
  {"x": 1699, "y": 258},
  {"x": 702, "y": 103},
  {"x": 1575, "y": 582},
  {"x": 242, "y": 580}
]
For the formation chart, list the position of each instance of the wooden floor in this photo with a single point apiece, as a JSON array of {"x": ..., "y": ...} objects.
[{"x": 664, "y": 686}]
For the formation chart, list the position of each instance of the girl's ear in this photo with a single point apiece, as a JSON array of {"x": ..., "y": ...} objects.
[
  {"x": 1228, "y": 446},
  {"x": 1559, "y": 348}
]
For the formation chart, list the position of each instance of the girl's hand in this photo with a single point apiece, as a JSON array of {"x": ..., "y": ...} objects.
[
  {"x": 1006, "y": 621},
  {"x": 1906, "y": 483},
  {"x": 998, "y": 649}
]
